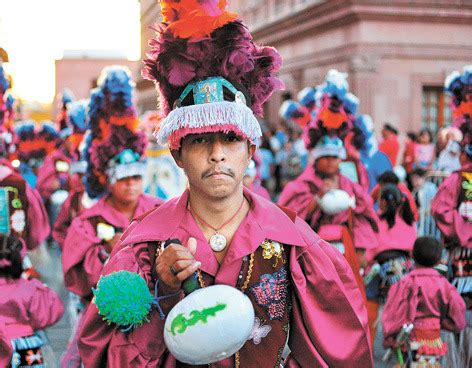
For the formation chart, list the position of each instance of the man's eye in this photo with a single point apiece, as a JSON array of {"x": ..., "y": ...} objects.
[
  {"x": 199, "y": 140},
  {"x": 233, "y": 138}
]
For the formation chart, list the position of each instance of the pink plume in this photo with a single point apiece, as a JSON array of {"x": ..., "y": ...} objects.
[{"x": 180, "y": 73}]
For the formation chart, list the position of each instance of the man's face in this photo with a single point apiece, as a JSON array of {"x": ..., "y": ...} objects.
[
  {"x": 127, "y": 190},
  {"x": 215, "y": 163},
  {"x": 328, "y": 165}
]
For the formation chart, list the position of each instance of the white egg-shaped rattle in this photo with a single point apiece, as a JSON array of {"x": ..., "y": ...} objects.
[
  {"x": 335, "y": 201},
  {"x": 209, "y": 325}
]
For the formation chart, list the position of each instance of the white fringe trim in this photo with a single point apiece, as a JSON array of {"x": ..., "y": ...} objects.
[
  {"x": 125, "y": 171},
  {"x": 210, "y": 114}
]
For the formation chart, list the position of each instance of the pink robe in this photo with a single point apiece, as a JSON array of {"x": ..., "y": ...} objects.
[
  {"x": 65, "y": 217},
  {"x": 25, "y": 306},
  {"x": 401, "y": 236},
  {"x": 425, "y": 298},
  {"x": 298, "y": 194},
  {"x": 260, "y": 190},
  {"x": 48, "y": 174},
  {"x": 37, "y": 222},
  {"x": 327, "y": 306},
  {"x": 444, "y": 208},
  {"x": 83, "y": 254}
]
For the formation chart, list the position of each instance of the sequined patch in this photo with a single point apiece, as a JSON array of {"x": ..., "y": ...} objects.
[
  {"x": 271, "y": 249},
  {"x": 271, "y": 293}
]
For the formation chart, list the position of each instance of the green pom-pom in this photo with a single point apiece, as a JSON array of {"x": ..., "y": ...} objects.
[{"x": 123, "y": 298}]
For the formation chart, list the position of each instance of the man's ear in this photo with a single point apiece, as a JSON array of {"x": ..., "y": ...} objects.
[
  {"x": 252, "y": 150},
  {"x": 177, "y": 157}
]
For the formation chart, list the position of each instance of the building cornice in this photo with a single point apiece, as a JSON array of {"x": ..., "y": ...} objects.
[
  {"x": 374, "y": 51},
  {"x": 336, "y": 13}
]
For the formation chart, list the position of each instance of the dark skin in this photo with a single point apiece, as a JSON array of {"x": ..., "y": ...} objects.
[
  {"x": 124, "y": 196},
  {"x": 328, "y": 166},
  {"x": 215, "y": 164}
]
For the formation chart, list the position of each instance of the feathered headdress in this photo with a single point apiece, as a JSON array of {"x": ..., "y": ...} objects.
[
  {"x": 4, "y": 86},
  {"x": 35, "y": 142},
  {"x": 7, "y": 136},
  {"x": 210, "y": 75},
  {"x": 114, "y": 147},
  {"x": 62, "y": 120},
  {"x": 77, "y": 116},
  {"x": 459, "y": 86},
  {"x": 326, "y": 114}
]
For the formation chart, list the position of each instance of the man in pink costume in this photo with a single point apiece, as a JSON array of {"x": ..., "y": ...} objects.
[
  {"x": 453, "y": 221},
  {"x": 115, "y": 154},
  {"x": 54, "y": 173},
  {"x": 214, "y": 153},
  {"x": 452, "y": 205},
  {"x": 304, "y": 194},
  {"x": 77, "y": 200}
]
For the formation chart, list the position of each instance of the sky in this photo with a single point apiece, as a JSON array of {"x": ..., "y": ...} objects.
[{"x": 36, "y": 32}]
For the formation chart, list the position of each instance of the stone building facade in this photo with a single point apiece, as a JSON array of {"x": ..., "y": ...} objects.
[{"x": 397, "y": 52}]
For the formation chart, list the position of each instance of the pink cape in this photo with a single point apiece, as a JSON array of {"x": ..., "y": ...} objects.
[
  {"x": 65, "y": 217},
  {"x": 298, "y": 194},
  {"x": 327, "y": 306},
  {"x": 447, "y": 217},
  {"x": 25, "y": 306},
  {"x": 425, "y": 298},
  {"x": 83, "y": 253},
  {"x": 37, "y": 222},
  {"x": 47, "y": 174},
  {"x": 401, "y": 237}
]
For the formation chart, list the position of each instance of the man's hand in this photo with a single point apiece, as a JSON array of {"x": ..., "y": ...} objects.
[
  {"x": 328, "y": 184},
  {"x": 175, "y": 264},
  {"x": 110, "y": 244}
]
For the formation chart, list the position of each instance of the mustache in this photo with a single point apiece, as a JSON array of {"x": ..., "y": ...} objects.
[{"x": 218, "y": 170}]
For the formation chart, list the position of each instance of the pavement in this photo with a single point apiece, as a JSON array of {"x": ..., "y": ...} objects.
[{"x": 47, "y": 261}]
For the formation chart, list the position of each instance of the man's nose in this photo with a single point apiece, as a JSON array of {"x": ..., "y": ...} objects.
[{"x": 217, "y": 153}]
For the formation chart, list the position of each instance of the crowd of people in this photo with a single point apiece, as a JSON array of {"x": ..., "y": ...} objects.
[{"x": 331, "y": 234}]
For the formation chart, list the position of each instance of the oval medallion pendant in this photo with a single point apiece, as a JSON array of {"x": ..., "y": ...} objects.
[{"x": 217, "y": 242}]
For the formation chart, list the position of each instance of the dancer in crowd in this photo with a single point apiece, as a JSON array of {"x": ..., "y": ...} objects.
[
  {"x": 26, "y": 305},
  {"x": 114, "y": 174},
  {"x": 391, "y": 260},
  {"x": 23, "y": 213},
  {"x": 78, "y": 199},
  {"x": 427, "y": 300},
  {"x": 352, "y": 228},
  {"x": 54, "y": 181},
  {"x": 452, "y": 205},
  {"x": 212, "y": 79},
  {"x": 389, "y": 177},
  {"x": 34, "y": 143}
]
